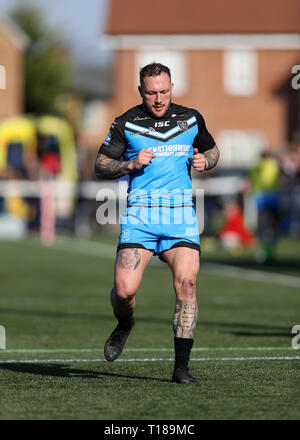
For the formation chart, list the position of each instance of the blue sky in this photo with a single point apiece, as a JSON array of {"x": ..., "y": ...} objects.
[{"x": 80, "y": 21}]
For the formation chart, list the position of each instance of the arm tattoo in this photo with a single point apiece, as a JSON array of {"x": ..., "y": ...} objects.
[
  {"x": 185, "y": 319},
  {"x": 106, "y": 168},
  {"x": 128, "y": 259},
  {"x": 212, "y": 157}
]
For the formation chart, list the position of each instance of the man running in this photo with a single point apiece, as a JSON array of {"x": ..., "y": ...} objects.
[{"x": 156, "y": 143}]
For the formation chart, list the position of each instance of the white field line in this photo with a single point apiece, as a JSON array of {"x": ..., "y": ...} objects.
[
  {"x": 85, "y": 247},
  {"x": 107, "y": 251},
  {"x": 252, "y": 274},
  {"x": 140, "y": 350},
  {"x": 206, "y": 359}
]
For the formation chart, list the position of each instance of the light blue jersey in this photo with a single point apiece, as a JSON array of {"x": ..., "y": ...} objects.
[{"x": 160, "y": 212}]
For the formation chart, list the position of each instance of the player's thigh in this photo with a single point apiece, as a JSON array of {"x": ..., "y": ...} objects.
[
  {"x": 184, "y": 262},
  {"x": 129, "y": 268}
]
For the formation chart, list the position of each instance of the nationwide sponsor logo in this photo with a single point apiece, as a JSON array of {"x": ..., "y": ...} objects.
[
  {"x": 171, "y": 150},
  {"x": 183, "y": 125}
]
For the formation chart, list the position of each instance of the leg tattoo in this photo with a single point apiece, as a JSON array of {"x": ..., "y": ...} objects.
[
  {"x": 128, "y": 258},
  {"x": 185, "y": 319}
]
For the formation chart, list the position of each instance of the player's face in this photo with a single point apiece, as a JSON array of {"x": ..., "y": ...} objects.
[{"x": 157, "y": 94}]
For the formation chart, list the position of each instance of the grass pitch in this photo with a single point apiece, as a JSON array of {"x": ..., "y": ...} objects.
[{"x": 54, "y": 304}]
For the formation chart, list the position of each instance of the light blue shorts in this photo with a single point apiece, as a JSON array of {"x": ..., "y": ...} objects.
[{"x": 159, "y": 228}]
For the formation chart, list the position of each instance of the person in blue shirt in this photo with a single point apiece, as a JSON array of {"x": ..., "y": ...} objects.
[{"x": 156, "y": 143}]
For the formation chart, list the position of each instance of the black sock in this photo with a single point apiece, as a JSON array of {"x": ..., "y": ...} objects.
[
  {"x": 183, "y": 347},
  {"x": 125, "y": 322}
]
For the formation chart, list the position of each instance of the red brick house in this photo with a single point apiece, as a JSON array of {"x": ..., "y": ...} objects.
[
  {"x": 12, "y": 45},
  {"x": 232, "y": 60}
]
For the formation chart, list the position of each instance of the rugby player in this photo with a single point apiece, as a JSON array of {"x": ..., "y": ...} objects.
[{"x": 156, "y": 143}]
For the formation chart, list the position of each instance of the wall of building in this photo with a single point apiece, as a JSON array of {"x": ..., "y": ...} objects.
[
  {"x": 265, "y": 111},
  {"x": 11, "y": 60}
]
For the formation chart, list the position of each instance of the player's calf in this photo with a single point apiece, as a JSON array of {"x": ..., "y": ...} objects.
[
  {"x": 184, "y": 324},
  {"x": 123, "y": 303}
]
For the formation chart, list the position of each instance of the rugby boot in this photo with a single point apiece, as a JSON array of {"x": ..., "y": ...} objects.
[
  {"x": 116, "y": 341},
  {"x": 182, "y": 375}
]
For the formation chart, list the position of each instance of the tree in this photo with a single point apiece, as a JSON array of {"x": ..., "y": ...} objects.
[{"x": 47, "y": 67}]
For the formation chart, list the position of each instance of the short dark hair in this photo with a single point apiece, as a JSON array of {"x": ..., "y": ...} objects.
[{"x": 153, "y": 69}]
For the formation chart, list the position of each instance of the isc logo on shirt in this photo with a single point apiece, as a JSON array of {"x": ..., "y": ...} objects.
[{"x": 162, "y": 124}]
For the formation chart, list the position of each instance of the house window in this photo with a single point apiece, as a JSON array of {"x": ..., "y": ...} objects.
[
  {"x": 2, "y": 77},
  {"x": 240, "y": 148},
  {"x": 93, "y": 112},
  {"x": 240, "y": 71},
  {"x": 175, "y": 60}
]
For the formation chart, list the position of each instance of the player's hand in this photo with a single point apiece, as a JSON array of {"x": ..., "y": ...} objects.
[
  {"x": 143, "y": 158},
  {"x": 198, "y": 161}
]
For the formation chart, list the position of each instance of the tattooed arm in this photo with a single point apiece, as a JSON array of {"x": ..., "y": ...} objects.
[
  {"x": 206, "y": 160},
  {"x": 107, "y": 168},
  {"x": 212, "y": 157}
]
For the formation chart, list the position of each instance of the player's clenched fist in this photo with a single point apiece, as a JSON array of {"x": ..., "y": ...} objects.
[
  {"x": 199, "y": 162},
  {"x": 143, "y": 158}
]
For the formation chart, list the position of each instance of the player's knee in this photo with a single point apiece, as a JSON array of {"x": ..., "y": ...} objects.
[
  {"x": 124, "y": 290},
  {"x": 186, "y": 288}
]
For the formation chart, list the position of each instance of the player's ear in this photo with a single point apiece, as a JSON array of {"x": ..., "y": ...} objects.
[{"x": 140, "y": 91}]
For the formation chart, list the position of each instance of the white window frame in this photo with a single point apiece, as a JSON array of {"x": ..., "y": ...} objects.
[
  {"x": 240, "y": 149},
  {"x": 174, "y": 59},
  {"x": 240, "y": 71},
  {"x": 2, "y": 77},
  {"x": 93, "y": 112}
]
